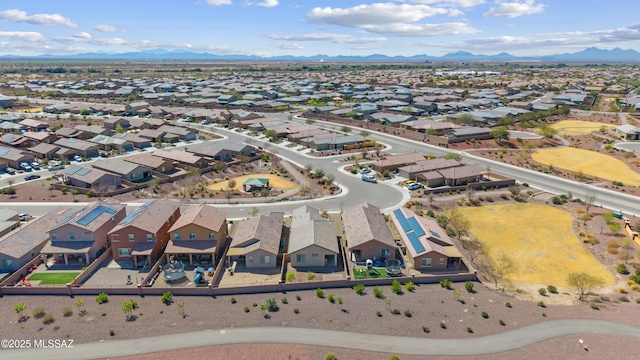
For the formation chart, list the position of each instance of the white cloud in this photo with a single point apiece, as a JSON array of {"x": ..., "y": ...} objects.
[
  {"x": 392, "y": 19},
  {"x": 82, "y": 35},
  {"x": 31, "y": 36},
  {"x": 268, "y": 3},
  {"x": 16, "y": 15},
  {"x": 105, "y": 28},
  {"x": 218, "y": 2},
  {"x": 334, "y": 38},
  {"x": 292, "y": 46},
  {"x": 451, "y": 3},
  {"x": 515, "y": 9}
]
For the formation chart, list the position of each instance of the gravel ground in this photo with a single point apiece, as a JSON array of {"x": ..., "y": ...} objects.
[{"x": 429, "y": 306}]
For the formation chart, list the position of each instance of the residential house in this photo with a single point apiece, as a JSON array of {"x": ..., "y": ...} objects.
[
  {"x": 312, "y": 239},
  {"x": 256, "y": 241},
  {"x": 126, "y": 170},
  {"x": 34, "y": 125},
  {"x": 112, "y": 123},
  {"x": 77, "y": 147},
  {"x": 9, "y": 220},
  {"x": 136, "y": 108},
  {"x": 184, "y": 158},
  {"x": 199, "y": 235},
  {"x": 145, "y": 231},
  {"x": 393, "y": 162},
  {"x": 82, "y": 236},
  {"x": 367, "y": 234},
  {"x": 14, "y": 140},
  {"x": 89, "y": 178},
  {"x": 337, "y": 142},
  {"x": 13, "y": 157},
  {"x": 108, "y": 143},
  {"x": 412, "y": 170},
  {"x": 137, "y": 141},
  {"x": 93, "y": 130},
  {"x": 35, "y": 138},
  {"x": 44, "y": 151},
  {"x": 152, "y": 135},
  {"x": 429, "y": 248},
  {"x": 452, "y": 176},
  {"x": 66, "y": 132},
  {"x": 182, "y": 132},
  {"x": 156, "y": 163},
  {"x": 210, "y": 150},
  {"x": 22, "y": 244},
  {"x": 628, "y": 132}
]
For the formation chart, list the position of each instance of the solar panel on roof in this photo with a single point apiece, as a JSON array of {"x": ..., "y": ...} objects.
[
  {"x": 72, "y": 140},
  {"x": 3, "y": 151},
  {"x": 415, "y": 242},
  {"x": 402, "y": 220},
  {"x": 74, "y": 169},
  {"x": 415, "y": 225},
  {"x": 84, "y": 171},
  {"x": 10, "y": 138},
  {"x": 93, "y": 214},
  {"x": 131, "y": 217},
  {"x": 99, "y": 138}
]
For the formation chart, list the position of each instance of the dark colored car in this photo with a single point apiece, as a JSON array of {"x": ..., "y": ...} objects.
[{"x": 32, "y": 177}]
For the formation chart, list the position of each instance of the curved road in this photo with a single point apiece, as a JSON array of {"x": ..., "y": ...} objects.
[{"x": 506, "y": 341}]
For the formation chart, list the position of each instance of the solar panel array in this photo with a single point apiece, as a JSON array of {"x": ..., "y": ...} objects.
[
  {"x": 93, "y": 214},
  {"x": 417, "y": 229},
  {"x": 412, "y": 229},
  {"x": 129, "y": 218},
  {"x": 72, "y": 140},
  {"x": 3, "y": 151},
  {"x": 415, "y": 242},
  {"x": 84, "y": 171},
  {"x": 402, "y": 220},
  {"x": 72, "y": 170}
]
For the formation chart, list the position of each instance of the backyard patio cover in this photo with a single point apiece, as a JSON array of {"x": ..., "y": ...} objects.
[
  {"x": 67, "y": 247},
  {"x": 191, "y": 247},
  {"x": 143, "y": 248}
]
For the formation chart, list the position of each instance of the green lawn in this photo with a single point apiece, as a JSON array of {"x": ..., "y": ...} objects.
[
  {"x": 364, "y": 274},
  {"x": 54, "y": 278}
]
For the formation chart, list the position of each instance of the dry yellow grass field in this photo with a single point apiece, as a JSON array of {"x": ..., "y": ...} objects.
[
  {"x": 539, "y": 238},
  {"x": 577, "y": 127},
  {"x": 589, "y": 163},
  {"x": 277, "y": 182},
  {"x": 32, "y": 110}
]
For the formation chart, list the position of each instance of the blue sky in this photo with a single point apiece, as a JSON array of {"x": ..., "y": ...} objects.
[{"x": 308, "y": 27}]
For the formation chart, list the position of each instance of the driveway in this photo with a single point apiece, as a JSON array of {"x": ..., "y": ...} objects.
[{"x": 368, "y": 342}]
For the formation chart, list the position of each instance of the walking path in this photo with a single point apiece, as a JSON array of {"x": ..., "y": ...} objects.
[{"x": 367, "y": 342}]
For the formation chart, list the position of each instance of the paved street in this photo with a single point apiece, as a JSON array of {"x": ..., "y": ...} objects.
[{"x": 368, "y": 342}]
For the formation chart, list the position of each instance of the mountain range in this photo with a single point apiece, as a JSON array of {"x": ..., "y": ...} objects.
[{"x": 591, "y": 54}]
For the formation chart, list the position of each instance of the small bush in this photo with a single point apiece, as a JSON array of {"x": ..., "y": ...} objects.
[
  {"x": 103, "y": 314},
  {"x": 622, "y": 269},
  {"x": 378, "y": 314},
  {"x": 469, "y": 330},
  {"x": 396, "y": 311},
  {"x": 296, "y": 311},
  {"x": 396, "y": 287},
  {"x": 377, "y": 292},
  {"x": 552, "y": 289},
  {"x": 255, "y": 304},
  {"x": 66, "y": 312},
  {"x": 38, "y": 312},
  {"x": 541, "y": 304},
  {"x": 298, "y": 297},
  {"x": 331, "y": 298},
  {"x": 594, "y": 306},
  {"x": 233, "y": 300},
  {"x": 359, "y": 288},
  {"x": 48, "y": 319},
  {"x": 407, "y": 313},
  {"x": 508, "y": 304},
  {"x": 446, "y": 283},
  {"x": 462, "y": 301},
  {"x": 320, "y": 293},
  {"x": 111, "y": 332},
  {"x": 623, "y": 299},
  {"x": 468, "y": 286},
  {"x": 102, "y": 298},
  {"x": 443, "y": 325},
  {"x": 426, "y": 329},
  {"x": 271, "y": 304},
  {"x": 544, "y": 314},
  {"x": 501, "y": 322},
  {"x": 394, "y": 357},
  {"x": 330, "y": 356},
  {"x": 246, "y": 309},
  {"x": 410, "y": 286},
  {"x": 167, "y": 297},
  {"x": 485, "y": 315},
  {"x": 291, "y": 276},
  {"x": 542, "y": 291},
  {"x": 284, "y": 300}
]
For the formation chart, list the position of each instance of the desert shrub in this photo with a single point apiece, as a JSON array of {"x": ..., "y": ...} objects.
[
  {"x": 359, "y": 288},
  {"x": 246, "y": 309},
  {"x": 622, "y": 269},
  {"x": 594, "y": 306},
  {"x": 233, "y": 300},
  {"x": 468, "y": 286},
  {"x": 469, "y": 330},
  {"x": 612, "y": 250},
  {"x": 541, "y": 304},
  {"x": 542, "y": 291},
  {"x": 48, "y": 319},
  {"x": 622, "y": 291},
  {"x": 410, "y": 286},
  {"x": 396, "y": 287},
  {"x": 111, "y": 332},
  {"x": 296, "y": 311},
  {"x": 167, "y": 297},
  {"x": 407, "y": 313},
  {"x": 255, "y": 304},
  {"x": 443, "y": 325},
  {"x": 378, "y": 314},
  {"x": 426, "y": 329},
  {"x": 556, "y": 200},
  {"x": 298, "y": 297},
  {"x": 284, "y": 300},
  {"x": 586, "y": 217},
  {"x": 330, "y": 356},
  {"x": 446, "y": 283},
  {"x": 271, "y": 304},
  {"x": 613, "y": 244},
  {"x": 38, "y": 312},
  {"x": 508, "y": 304},
  {"x": 102, "y": 298},
  {"x": 501, "y": 322},
  {"x": 320, "y": 293},
  {"x": 331, "y": 298},
  {"x": 66, "y": 312},
  {"x": 552, "y": 289},
  {"x": 377, "y": 292},
  {"x": 291, "y": 276},
  {"x": 544, "y": 314},
  {"x": 623, "y": 299},
  {"x": 103, "y": 314},
  {"x": 485, "y": 315},
  {"x": 396, "y": 311}
]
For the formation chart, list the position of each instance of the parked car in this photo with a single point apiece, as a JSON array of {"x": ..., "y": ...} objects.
[
  {"x": 25, "y": 217},
  {"x": 32, "y": 177},
  {"x": 35, "y": 165},
  {"x": 77, "y": 158},
  {"x": 414, "y": 186},
  {"x": 369, "y": 178},
  {"x": 206, "y": 122},
  {"x": 409, "y": 182},
  {"x": 56, "y": 166},
  {"x": 10, "y": 170},
  {"x": 365, "y": 170},
  {"x": 25, "y": 166}
]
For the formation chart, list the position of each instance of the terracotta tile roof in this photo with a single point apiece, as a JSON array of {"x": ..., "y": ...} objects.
[
  {"x": 202, "y": 215},
  {"x": 364, "y": 223}
]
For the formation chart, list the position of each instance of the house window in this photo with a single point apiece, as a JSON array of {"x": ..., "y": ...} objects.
[
  {"x": 301, "y": 258},
  {"x": 6, "y": 263},
  {"x": 314, "y": 255},
  {"x": 115, "y": 238},
  {"x": 54, "y": 236},
  {"x": 192, "y": 235},
  {"x": 250, "y": 258},
  {"x": 212, "y": 235},
  {"x": 426, "y": 262},
  {"x": 123, "y": 252},
  {"x": 131, "y": 237},
  {"x": 385, "y": 252},
  {"x": 441, "y": 261},
  {"x": 72, "y": 236},
  {"x": 176, "y": 236},
  {"x": 265, "y": 259},
  {"x": 149, "y": 237}
]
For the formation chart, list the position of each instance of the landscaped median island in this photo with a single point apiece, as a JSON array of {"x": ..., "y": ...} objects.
[
  {"x": 588, "y": 163},
  {"x": 539, "y": 239}
]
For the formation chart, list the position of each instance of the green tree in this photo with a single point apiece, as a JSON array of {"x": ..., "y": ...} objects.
[
  {"x": 85, "y": 112},
  {"x": 345, "y": 129},
  {"x": 454, "y": 156},
  {"x": 465, "y": 119},
  {"x": 584, "y": 283},
  {"x": 74, "y": 192},
  {"x": 20, "y": 308},
  {"x": 365, "y": 134},
  {"x": 546, "y": 131},
  {"x": 500, "y": 134},
  {"x": 119, "y": 129}
]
